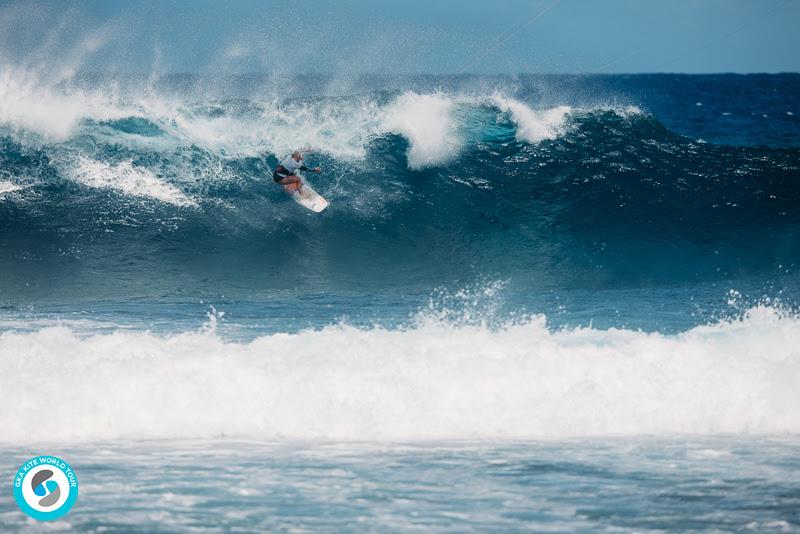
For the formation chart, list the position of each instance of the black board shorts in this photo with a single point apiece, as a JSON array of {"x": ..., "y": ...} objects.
[{"x": 277, "y": 176}]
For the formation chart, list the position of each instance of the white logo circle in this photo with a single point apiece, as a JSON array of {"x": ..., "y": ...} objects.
[{"x": 34, "y": 500}]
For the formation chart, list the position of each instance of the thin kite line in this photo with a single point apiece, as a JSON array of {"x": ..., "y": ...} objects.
[{"x": 504, "y": 39}]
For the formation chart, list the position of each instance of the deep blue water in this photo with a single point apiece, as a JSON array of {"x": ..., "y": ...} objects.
[{"x": 677, "y": 186}]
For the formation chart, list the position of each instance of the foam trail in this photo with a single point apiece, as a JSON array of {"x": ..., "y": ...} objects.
[
  {"x": 426, "y": 121},
  {"x": 8, "y": 187},
  {"x": 129, "y": 179},
  {"x": 534, "y": 126},
  {"x": 433, "y": 381}
]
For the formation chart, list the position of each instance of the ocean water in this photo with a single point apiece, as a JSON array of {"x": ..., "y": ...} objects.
[
  {"x": 534, "y": 303},
  {"x": 687, "y": 484}
]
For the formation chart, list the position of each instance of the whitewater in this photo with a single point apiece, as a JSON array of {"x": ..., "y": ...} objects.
[{"x": 434, "y": 381}]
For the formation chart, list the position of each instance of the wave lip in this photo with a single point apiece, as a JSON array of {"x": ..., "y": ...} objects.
[
  {"x": 426, "y": 121},
  {"x": 534, "y": 126},
  {"x": 433, "y": 381}
]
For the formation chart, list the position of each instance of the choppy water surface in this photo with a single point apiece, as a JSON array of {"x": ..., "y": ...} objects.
[{"x": 724, "y": 484}]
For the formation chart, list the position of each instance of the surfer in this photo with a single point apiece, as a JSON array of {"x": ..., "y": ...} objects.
[{"x": 285, "y": 172}]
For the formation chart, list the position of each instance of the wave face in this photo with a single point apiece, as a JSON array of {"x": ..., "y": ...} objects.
[
  {"x": 436, "y": 380},
  {"x": 109, "y": 190}
]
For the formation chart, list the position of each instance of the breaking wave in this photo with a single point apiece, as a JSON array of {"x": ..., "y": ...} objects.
[
  {"x": 424, "y": 186},
  {"x": 433, "y": 380}
]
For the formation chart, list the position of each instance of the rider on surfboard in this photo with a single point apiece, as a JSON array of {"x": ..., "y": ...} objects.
[{"x": 285, "y": 172}]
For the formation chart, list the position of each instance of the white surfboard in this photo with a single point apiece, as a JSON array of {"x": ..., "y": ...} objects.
[{"x": 309, "y": 198}]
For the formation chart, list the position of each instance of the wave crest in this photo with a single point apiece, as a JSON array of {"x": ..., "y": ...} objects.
[
  {"x": 534, "y": 126},
  {"x": 427, "y": 122}
]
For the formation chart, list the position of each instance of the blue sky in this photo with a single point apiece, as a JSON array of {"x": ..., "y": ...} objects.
[{"x": 408, "y": 36}]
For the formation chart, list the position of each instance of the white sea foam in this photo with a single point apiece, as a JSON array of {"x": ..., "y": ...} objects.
[
  {"x": 426, "y": 121},
  {"x": 534, "y": 126},
  {"x": 8, "y": 187},
  {"x": 341, "y": 129},
  {"x": 51, "y": 106},
  {"x": 433, "y": 381},
  {"x": 126, "y": 178},
  {"x": 279, "y": 128},
  {"x": 433, "y": 123},
  {"x": 29, "y": 102},
  {"x": 624, "y": 111},
  {"x": 25, "y": 105}
]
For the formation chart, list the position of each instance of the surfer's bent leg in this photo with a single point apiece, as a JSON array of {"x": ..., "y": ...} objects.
[{"x": 290, "y": 183}]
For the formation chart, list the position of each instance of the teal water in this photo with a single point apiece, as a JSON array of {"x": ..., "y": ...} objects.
[{"x": 722, "y": 484}]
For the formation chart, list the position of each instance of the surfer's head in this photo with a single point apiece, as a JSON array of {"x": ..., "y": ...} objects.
[{"x": 297, "y": 155}]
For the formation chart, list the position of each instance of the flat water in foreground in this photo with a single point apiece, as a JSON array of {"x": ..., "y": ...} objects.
[{"x": 719, "y": 484}]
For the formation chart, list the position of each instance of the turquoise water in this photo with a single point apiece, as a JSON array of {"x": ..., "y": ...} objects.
[{"x": 719, "y": 484}]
